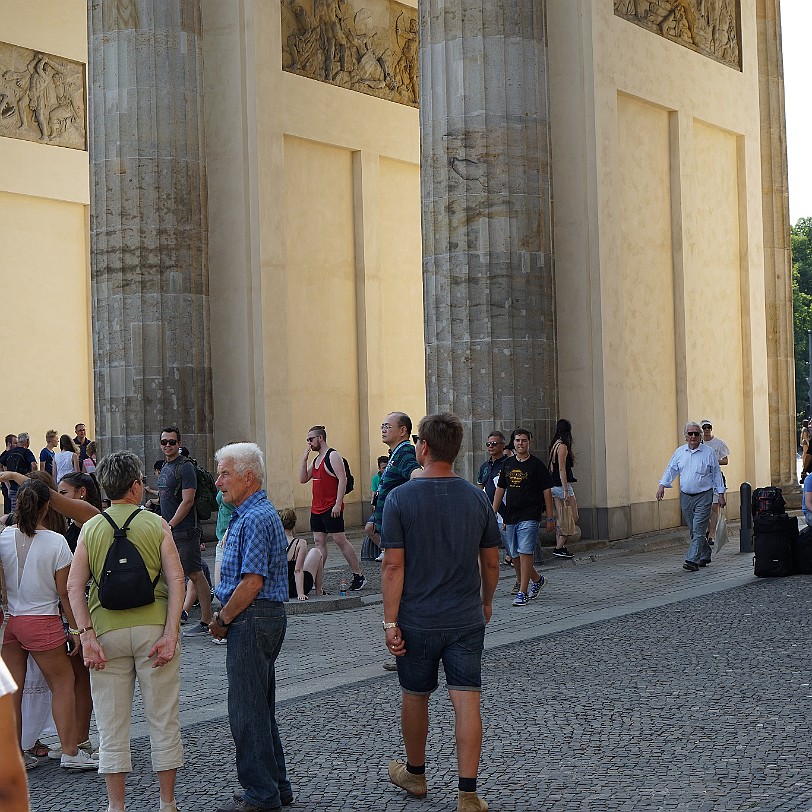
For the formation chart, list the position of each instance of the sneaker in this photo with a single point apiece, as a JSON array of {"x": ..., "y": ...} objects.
[
  {"x": 81, "y": 762},
  {"x": 286, "y": 800},
  {"x": 184, "y": 618},
  {"x": 380, "y": 557},
  {"x": 197, "y": 631},
  {"x": 358, "y": 582},
  {"x": 520, "y": 599},
  {"x": 471, "y": 802},
  {"x": 219, "y": 641},
  {"x": 390, "y": 665},
  {"x": 562, "y": 552},
  {"x": 56, "y": 752},
  {"x": 30, "y": 761},
  {"x": 535, "y": 587},
  {"x": 515, "y": 590},
  {"x": 401, "y": 777}
]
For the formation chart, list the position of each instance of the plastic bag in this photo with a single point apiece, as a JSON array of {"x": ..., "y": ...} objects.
[{"x": 721, "y": 533}]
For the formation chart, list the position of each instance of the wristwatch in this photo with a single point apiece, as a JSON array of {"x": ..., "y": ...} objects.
[
  {"x": 220, "y": 622},
  {"x": 392, "y": 625}
]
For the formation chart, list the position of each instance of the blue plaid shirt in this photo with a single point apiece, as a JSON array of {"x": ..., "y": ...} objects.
[{"x": 255, "y": 543}]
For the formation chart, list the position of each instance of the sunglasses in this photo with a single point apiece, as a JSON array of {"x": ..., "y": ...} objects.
[
  {"x": 169, "y": 442},
  {"x": 692, "y": 433},
  {"x": 310, "y": 439},
  {"x": 492, "y": 443}
]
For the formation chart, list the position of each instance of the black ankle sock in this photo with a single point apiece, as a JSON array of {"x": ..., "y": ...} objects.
[
  {"x": 410, "y": 768},
  {"x": 467, "y": 785}
]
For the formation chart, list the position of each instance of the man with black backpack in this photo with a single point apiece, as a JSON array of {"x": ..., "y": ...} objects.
[
  {"x": 331, "y": 482},
  {"x": 19, "y": 459},
  {"x": 177, "y": 487}
]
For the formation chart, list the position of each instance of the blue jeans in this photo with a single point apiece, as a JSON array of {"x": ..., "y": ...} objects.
[
  {"x": 696, "y": 510},
  {"x": 254, "y": 639},
  {"x": 521, "y": 538}
]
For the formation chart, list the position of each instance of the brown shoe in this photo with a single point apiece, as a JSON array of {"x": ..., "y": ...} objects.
[
  {"x": 413, "y": 784},
  {"x": 471, "y": 802}
]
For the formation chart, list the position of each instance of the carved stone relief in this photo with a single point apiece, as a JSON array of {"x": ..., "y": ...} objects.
[
  {"x": 364, "y": 45},
  {"x": 709, "y": 27},
  {"x": 42, "y": 97}
]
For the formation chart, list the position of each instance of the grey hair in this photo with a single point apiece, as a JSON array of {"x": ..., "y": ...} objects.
[
  {"x": 245, "y": 456},
  {"x": 691, "y": 423},
  {"x": 23, "y": 437},
  {"x": 117, "y": 472}
]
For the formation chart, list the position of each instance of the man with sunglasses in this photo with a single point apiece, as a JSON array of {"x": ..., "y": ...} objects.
[
  {"x": 490, "y": 469},
  {"x": 699, "y": 478},
  {"x": 178, "y": 509}
]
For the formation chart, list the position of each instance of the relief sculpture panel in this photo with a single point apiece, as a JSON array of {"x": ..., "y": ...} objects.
[
  {"x": 709, "y": 27},
  {"x": 364, "y": 45},
  {"x": 42, "y": 97}
]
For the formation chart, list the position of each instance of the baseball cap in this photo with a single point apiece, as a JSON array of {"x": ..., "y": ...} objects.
[{"x": 705, "y": 422}]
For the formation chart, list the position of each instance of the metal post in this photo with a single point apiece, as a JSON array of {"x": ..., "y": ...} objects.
[{"x": 746, "y": 534}]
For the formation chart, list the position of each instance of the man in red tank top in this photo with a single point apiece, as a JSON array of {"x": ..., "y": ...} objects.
[{"x": 327, "y": 508}]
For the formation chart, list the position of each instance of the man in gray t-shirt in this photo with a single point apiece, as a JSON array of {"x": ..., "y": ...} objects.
[{"x": 439, "y": 533}]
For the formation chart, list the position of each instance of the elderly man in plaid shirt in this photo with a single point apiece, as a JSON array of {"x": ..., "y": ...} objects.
[{"x": 253, "y": 589}]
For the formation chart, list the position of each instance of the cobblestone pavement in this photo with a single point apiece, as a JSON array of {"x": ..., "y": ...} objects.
[{"x": 628, "y": 684}]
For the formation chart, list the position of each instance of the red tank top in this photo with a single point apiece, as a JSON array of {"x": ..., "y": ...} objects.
[{"x": 325, "y": 489}]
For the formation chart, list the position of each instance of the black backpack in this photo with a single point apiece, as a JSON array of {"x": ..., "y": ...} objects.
[
  {"x": 125, "y": 581},
  {"x": 350, "y": 477},
  {"x": 769, "y": 501},
  {"x": 205, "y": 494},
  {"x": 15, "y": 462}
]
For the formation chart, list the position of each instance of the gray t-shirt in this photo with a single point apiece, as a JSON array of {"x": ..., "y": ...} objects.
[
  {"x": 171, "y": 496},
  {"x": 440, "y": 523}
]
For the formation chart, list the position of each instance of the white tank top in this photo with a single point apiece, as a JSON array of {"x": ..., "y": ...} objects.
[{"x": 63, "y": 460}]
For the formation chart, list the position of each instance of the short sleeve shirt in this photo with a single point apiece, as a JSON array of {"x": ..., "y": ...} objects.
[
  {"x": 255, "y": 544},
  {"x": 402, "y": 461},
  {"x": 719, "y": 447},
  {"x": 524, "y": 483},
  {"x": 46, "y": 457},
  {"x": 807, "y": 489},
  {"x": 440, "y": 523},
  {"x": 489, "y": 475},
  {"x": 7, "y": 684},
  {"x": 170, "y": 495}
]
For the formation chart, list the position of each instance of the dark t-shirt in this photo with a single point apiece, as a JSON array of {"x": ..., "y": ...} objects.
[
  {"x": 489, "y": 473},
  {"x": 82, "y": 448},
  {"x": 171, "y": 496},
  {"x": 524, "y": 484},
  {"x": 46, "y": 456},
  {"x": 440, "y": 524}
]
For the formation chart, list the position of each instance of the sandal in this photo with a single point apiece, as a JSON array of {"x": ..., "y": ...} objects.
[{"x": 39, "y": 749}]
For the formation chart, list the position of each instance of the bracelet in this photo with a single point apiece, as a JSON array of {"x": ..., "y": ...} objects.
[
  {"x": 73, "y": 631},
  {"x": 86, "y": 629}
]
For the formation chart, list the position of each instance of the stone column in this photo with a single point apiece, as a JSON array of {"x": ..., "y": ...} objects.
[
  {"x": 486, "y": 207},
  {"x": 777, "y": 252},
  {"x": 148, "y": 226}
]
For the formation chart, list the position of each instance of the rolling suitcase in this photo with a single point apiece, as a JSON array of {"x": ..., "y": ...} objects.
[{"x": 775, "y": 535}]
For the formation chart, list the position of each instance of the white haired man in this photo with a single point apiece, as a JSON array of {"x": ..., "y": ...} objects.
[
  {"x": 699, "y": 477},
  {"x": 252, "y": 591}
]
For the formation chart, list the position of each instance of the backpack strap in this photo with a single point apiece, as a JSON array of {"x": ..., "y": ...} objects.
[
  {"x": 123, "y": 529},
  {"x": 179, "y": 480},
  {"x": 327, "y": 462}
]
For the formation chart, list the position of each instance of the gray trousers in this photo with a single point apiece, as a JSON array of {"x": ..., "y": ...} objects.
[{"x": 696, "y": 510}]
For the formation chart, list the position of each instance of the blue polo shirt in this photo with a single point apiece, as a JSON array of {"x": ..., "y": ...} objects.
[{"x": 255, "y": 543}]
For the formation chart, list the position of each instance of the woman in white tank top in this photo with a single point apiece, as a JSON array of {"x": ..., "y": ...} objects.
[{"x": 66, "y": 459}]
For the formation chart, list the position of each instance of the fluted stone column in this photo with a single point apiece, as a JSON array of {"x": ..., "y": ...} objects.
[
  {"x": 148, "y": 225},
  {"x": 777, "y": 251},
  {"x": 486, "y": 206}
]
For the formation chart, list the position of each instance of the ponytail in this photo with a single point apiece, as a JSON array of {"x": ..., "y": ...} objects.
[{"x": 32, "y": 497}]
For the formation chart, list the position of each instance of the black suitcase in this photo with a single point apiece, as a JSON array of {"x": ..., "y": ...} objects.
[
  {"x": 775, "y": 536},
  {"x": 802, "y": 552}
]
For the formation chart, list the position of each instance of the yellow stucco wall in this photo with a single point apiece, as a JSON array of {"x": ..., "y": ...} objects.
[
  {"x": 658, "y": 253},
  {"x": 315, "y": 260},
  {"x": 44, "y": 272}
]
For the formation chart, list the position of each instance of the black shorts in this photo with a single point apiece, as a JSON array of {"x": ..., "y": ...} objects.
[
  {"x": 325, "y": 523},
  {"x": 188, "y": 543},
  {"x": 308, "y": 585}
]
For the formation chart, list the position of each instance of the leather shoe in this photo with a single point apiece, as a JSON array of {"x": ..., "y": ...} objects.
[{"x": 690, "y": 566}]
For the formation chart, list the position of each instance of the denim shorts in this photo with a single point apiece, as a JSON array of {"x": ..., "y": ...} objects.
[
  {"x": 460, "y": 651},
  {"x": 558, "y": 491},
  {"x": 521, "y": 538}
]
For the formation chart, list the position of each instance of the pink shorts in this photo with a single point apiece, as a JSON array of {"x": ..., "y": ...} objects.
[{"x": 35, "y": 632}]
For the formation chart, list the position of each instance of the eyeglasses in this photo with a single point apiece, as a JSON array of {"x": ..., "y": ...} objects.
[
  {"x": 386, "y": 426},
  {"x": 169, "y": 442},
  {"x": 492, "y": 443},
  {"x": 310, "y": 439},
  {"x": 692, "y": 433}
]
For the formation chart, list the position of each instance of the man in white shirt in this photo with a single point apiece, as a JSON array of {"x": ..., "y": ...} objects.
[
  {"x": 699, "y": 477},
  {"x": 722, "y": 454}
]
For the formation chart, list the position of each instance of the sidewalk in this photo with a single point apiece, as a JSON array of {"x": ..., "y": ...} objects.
[{"x": 628, "y": 684}]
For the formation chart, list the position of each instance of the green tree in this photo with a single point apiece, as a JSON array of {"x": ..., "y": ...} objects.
[{"x": 801, "y": 237}]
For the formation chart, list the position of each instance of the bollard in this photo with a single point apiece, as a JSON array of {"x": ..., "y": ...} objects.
[{"x": 746, "y": 534}]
